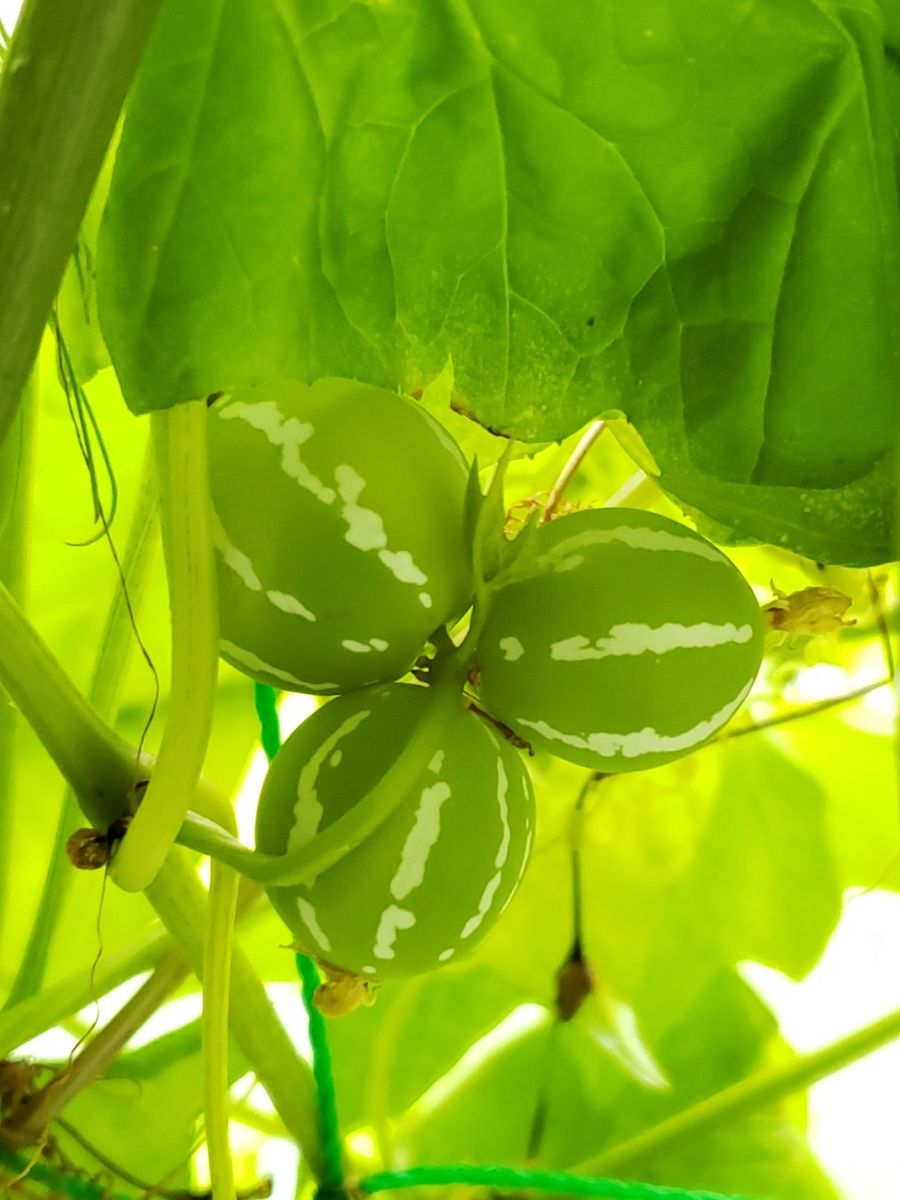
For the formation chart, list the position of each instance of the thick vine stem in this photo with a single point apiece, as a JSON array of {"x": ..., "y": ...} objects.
[
  {"x": 181, "y": 903},
  {"x": 180, "y": 437},
  {"x": 218, "y": 953},
  {"x": 99, "y": 765},
  {"x": 29, "y": 1125},
  {"x": 16, "y": 461},
  {"x": 116, "y": 645},
  {"x": 345, "y": 834},
  {"x": 65, "y": 78},
  {"x": 21, "y": 1022}
]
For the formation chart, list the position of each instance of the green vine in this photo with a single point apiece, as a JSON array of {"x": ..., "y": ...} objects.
[
  {"x": 182, "y": 904},
  {"x": 16, "y": 465},
  {"x": 223, "y": 892},
  {"x": 180, "y": 438},
  {"x": 116, "y": 645},
  {"x": 97, "y": 763},
  {"x": 346, "y": 833},
  {"x": 217, "y": 962},
  {"x": 499, "y": 1179},
  {"x": 332, "y": 1177},
  {"x": 744, "y": 1098},
  {"x": 25, "y": 1020}
]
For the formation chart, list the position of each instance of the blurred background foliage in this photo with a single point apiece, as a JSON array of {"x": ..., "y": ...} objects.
[
  {"x": 743, "y": 852},
  {"x": 740, "y": 852}
]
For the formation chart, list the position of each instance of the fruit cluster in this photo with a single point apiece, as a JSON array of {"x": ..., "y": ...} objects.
[{"x": 620, "y": 640}]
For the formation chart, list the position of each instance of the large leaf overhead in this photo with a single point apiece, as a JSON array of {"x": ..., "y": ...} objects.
[{"x": 682, "y": 210}]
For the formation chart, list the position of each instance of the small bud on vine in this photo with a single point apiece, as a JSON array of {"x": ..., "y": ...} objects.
[{"x": 91, "y": 849}]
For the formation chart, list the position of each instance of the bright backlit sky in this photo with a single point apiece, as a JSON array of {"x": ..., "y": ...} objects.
[{"x": 9, "y": 10}]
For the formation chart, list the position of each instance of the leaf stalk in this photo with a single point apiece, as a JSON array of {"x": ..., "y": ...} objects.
[
  {"x": 743, "y": 1099},
  {"x": 64, "y": 80}
]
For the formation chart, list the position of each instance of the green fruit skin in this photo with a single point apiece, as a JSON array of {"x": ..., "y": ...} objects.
[
  {"x": 433, "y": 878},
  {"x": 627, "y": 642},
  {"x": 339, "y": 526}
]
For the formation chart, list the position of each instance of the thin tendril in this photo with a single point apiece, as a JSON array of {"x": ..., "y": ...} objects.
[
  {"x": 78, "y": 405},
  {"x": 92, "y": 978},
  {"x": 82, "y": 413}
]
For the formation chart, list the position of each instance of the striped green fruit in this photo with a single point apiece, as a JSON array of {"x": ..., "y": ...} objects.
[
  {"x": 435, "y": 875},
  {"x": 339, "y": 527},
  {"x": 627, "y": 641}
]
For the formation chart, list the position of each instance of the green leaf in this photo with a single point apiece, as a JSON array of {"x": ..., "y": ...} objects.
[
  {"x": 153, "y": 1058},
  {"x": 765, "y": 884},
  {"x": 206, "y": 273},
  {"x": 723, "y": 1035},
  {"x": 684, "y": 212},
  {"x": 76, "y": 304},
  {"x": 473, "y": 439},
  {"x": 721, "y": 857},
  {"x": 69, "y": 591},
  {"x": 856, "y": 770},
  {"x": 145, "y": 1113},
  {"x": 387, "y": 1056},
  {"x": 486, "y": 521},
  {"x": 763, "y": 1156}
]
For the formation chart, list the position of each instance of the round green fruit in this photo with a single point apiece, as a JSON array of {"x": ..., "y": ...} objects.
[
  {"x": 626, "y": 641},
  {"x": 339, "y": 527},
  {"x": 434, "y": 876}
]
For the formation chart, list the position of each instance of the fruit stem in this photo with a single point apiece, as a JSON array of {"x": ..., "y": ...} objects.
[
  {"x": 570, "y": 470},
  {"x": 447, "y": 663},
  {"x": 336, "y": 841},
  {"x": 100, "y": 766},
  {"x": 179, "y": 435}
]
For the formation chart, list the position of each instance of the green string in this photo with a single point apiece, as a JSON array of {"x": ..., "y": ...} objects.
[
  {"x": 332, "y": 1182},
  {"x": 73, "y": 1186},
  {"x": 264, "y": 698},
  {"x": 500, "y": 1178},
  {"x": 331, "y": 1185},
  {"x": 329, "y": 1128}
]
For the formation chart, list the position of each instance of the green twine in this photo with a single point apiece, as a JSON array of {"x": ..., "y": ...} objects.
[
  {"x": 73, "y": 1186},
  {"x": 332, "y": 1186},
  {"x": 332, "y": 1180},
  {"x": 501, "y": 1178},
  {"x": 498, "y": 1178},
  {"x": 264, "y": 698},
  {"x": 329, "y": 1130}
]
